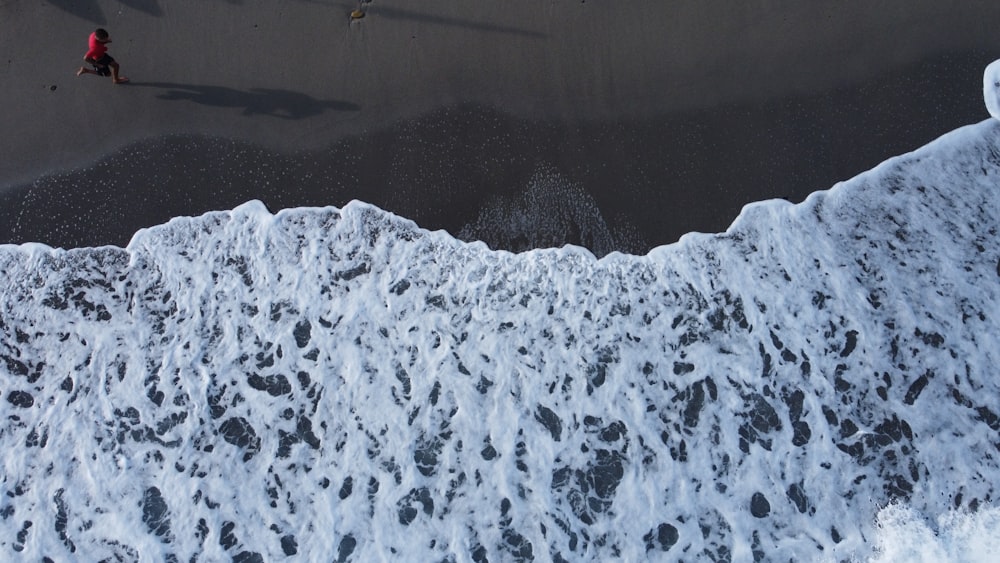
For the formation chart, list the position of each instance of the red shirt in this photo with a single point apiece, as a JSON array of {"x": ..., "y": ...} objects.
[{"x": 97, "y": 49}]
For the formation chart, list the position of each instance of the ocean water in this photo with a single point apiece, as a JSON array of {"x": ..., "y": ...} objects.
[{"x": 819, "y": 382}]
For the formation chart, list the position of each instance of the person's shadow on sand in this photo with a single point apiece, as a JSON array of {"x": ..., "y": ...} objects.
[
  {"x": 284, "y": 104},
  {"x": 91, "y": 9}
]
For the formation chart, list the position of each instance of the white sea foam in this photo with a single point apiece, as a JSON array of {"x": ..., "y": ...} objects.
[
  {"x": 991, "y": 88},
  {"x": 340, "y": 384},
  {"x": 904, "y": 535}
]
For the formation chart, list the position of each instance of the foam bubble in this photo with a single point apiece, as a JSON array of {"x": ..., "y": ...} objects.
[{"x": 991, "y": 88}]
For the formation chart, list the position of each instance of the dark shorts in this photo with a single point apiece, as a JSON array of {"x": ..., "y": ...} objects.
[{"x": 101, "y": 66}]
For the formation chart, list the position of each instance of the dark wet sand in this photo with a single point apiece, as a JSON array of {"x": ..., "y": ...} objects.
[{"x": 598, "y": 142}]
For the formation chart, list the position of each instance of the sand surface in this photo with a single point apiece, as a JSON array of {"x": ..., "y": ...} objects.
[{"x": 616, "y": 126}]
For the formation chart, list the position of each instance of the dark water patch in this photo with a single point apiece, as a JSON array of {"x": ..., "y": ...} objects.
[
  {"x": 916, "y": 388},
  {"x": 238, "y": 432},
  {"x": 796, "y": 493},
  {"x": 613, "y": 432},
  {"x": 21, "y": 399},
  {"x": 517, "y": 547},
  {"x": 759, "y": 506},
  {"x": 683, "y": 368},
  {"x": 400, "y": 287},
  {"x": 767, "y": 370},
  {"x": 590, "y": 490},
  {"x": 794, "y": 401},
  {"x": 215, "y": 402},
  {"x": 15, "y": 366},
  {"x": 441, "y": 302},
  {"x": 155, "y": 513},
  {"x": 156, "y": 396},
  {"x": 304, "y": 380},
  {"x": 404, "y": 379},
  {"x": 227, "y": 537},
  {"x": 62, "y": 520},
  {"x": 788, "y": 356},
  {"x": 776, "y": 342},
  {"x": 435, "y": 393},
  {"x": 248, "y": 557},
  {"x": 426, "y": 454},
  {"x": 484, "y": 384},
  {"x": 416, "y": 501},
  {"x": 169, "y": 422},
  {"x": 22, "y": 536},
  {"x": 850, "y": 342},
  {"x": 715, "y": 531},
  {"x": 274, "y": 385},
  {"x": 351, "y": 273},
  {"x": 289, "y": 545},
  {"x": 345, "y": 548},
  {"x": 694, "y": 400},
  {"x": 663, "y": 537},
  {"x": 883, "y": 390},
  {"x": 932, "y": 339},
  {"x": 761, "y": 419},
  {"x": 550, "y": 420},
  {"x": 488, "y": 452},
  {"x": 302, "y": 333},
  {"x": 801, "y": 433},
  {"x": 346, "y": 488},
  {"x": 848, "y": 428},
  {"x": 985, "y": 414}
]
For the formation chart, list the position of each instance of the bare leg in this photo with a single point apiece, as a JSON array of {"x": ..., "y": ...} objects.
[
  {"x": 84, "y": 70},
  {"x": 114, "y": 74}
]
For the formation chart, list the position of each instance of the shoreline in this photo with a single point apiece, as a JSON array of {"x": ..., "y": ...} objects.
[{"x": 626, "y": 185}]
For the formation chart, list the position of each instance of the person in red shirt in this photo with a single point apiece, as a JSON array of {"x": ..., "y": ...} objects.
[{"x": 99, "y": 58}]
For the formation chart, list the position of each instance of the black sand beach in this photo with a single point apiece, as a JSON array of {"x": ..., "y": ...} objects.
[{"x": 522, "y": 124}]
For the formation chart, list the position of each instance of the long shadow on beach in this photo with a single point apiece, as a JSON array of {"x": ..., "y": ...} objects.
[
  {"x": 284, "y": 104},
  {"x": 396, "y": 13},
  {"x": 90, "y": 10}
]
